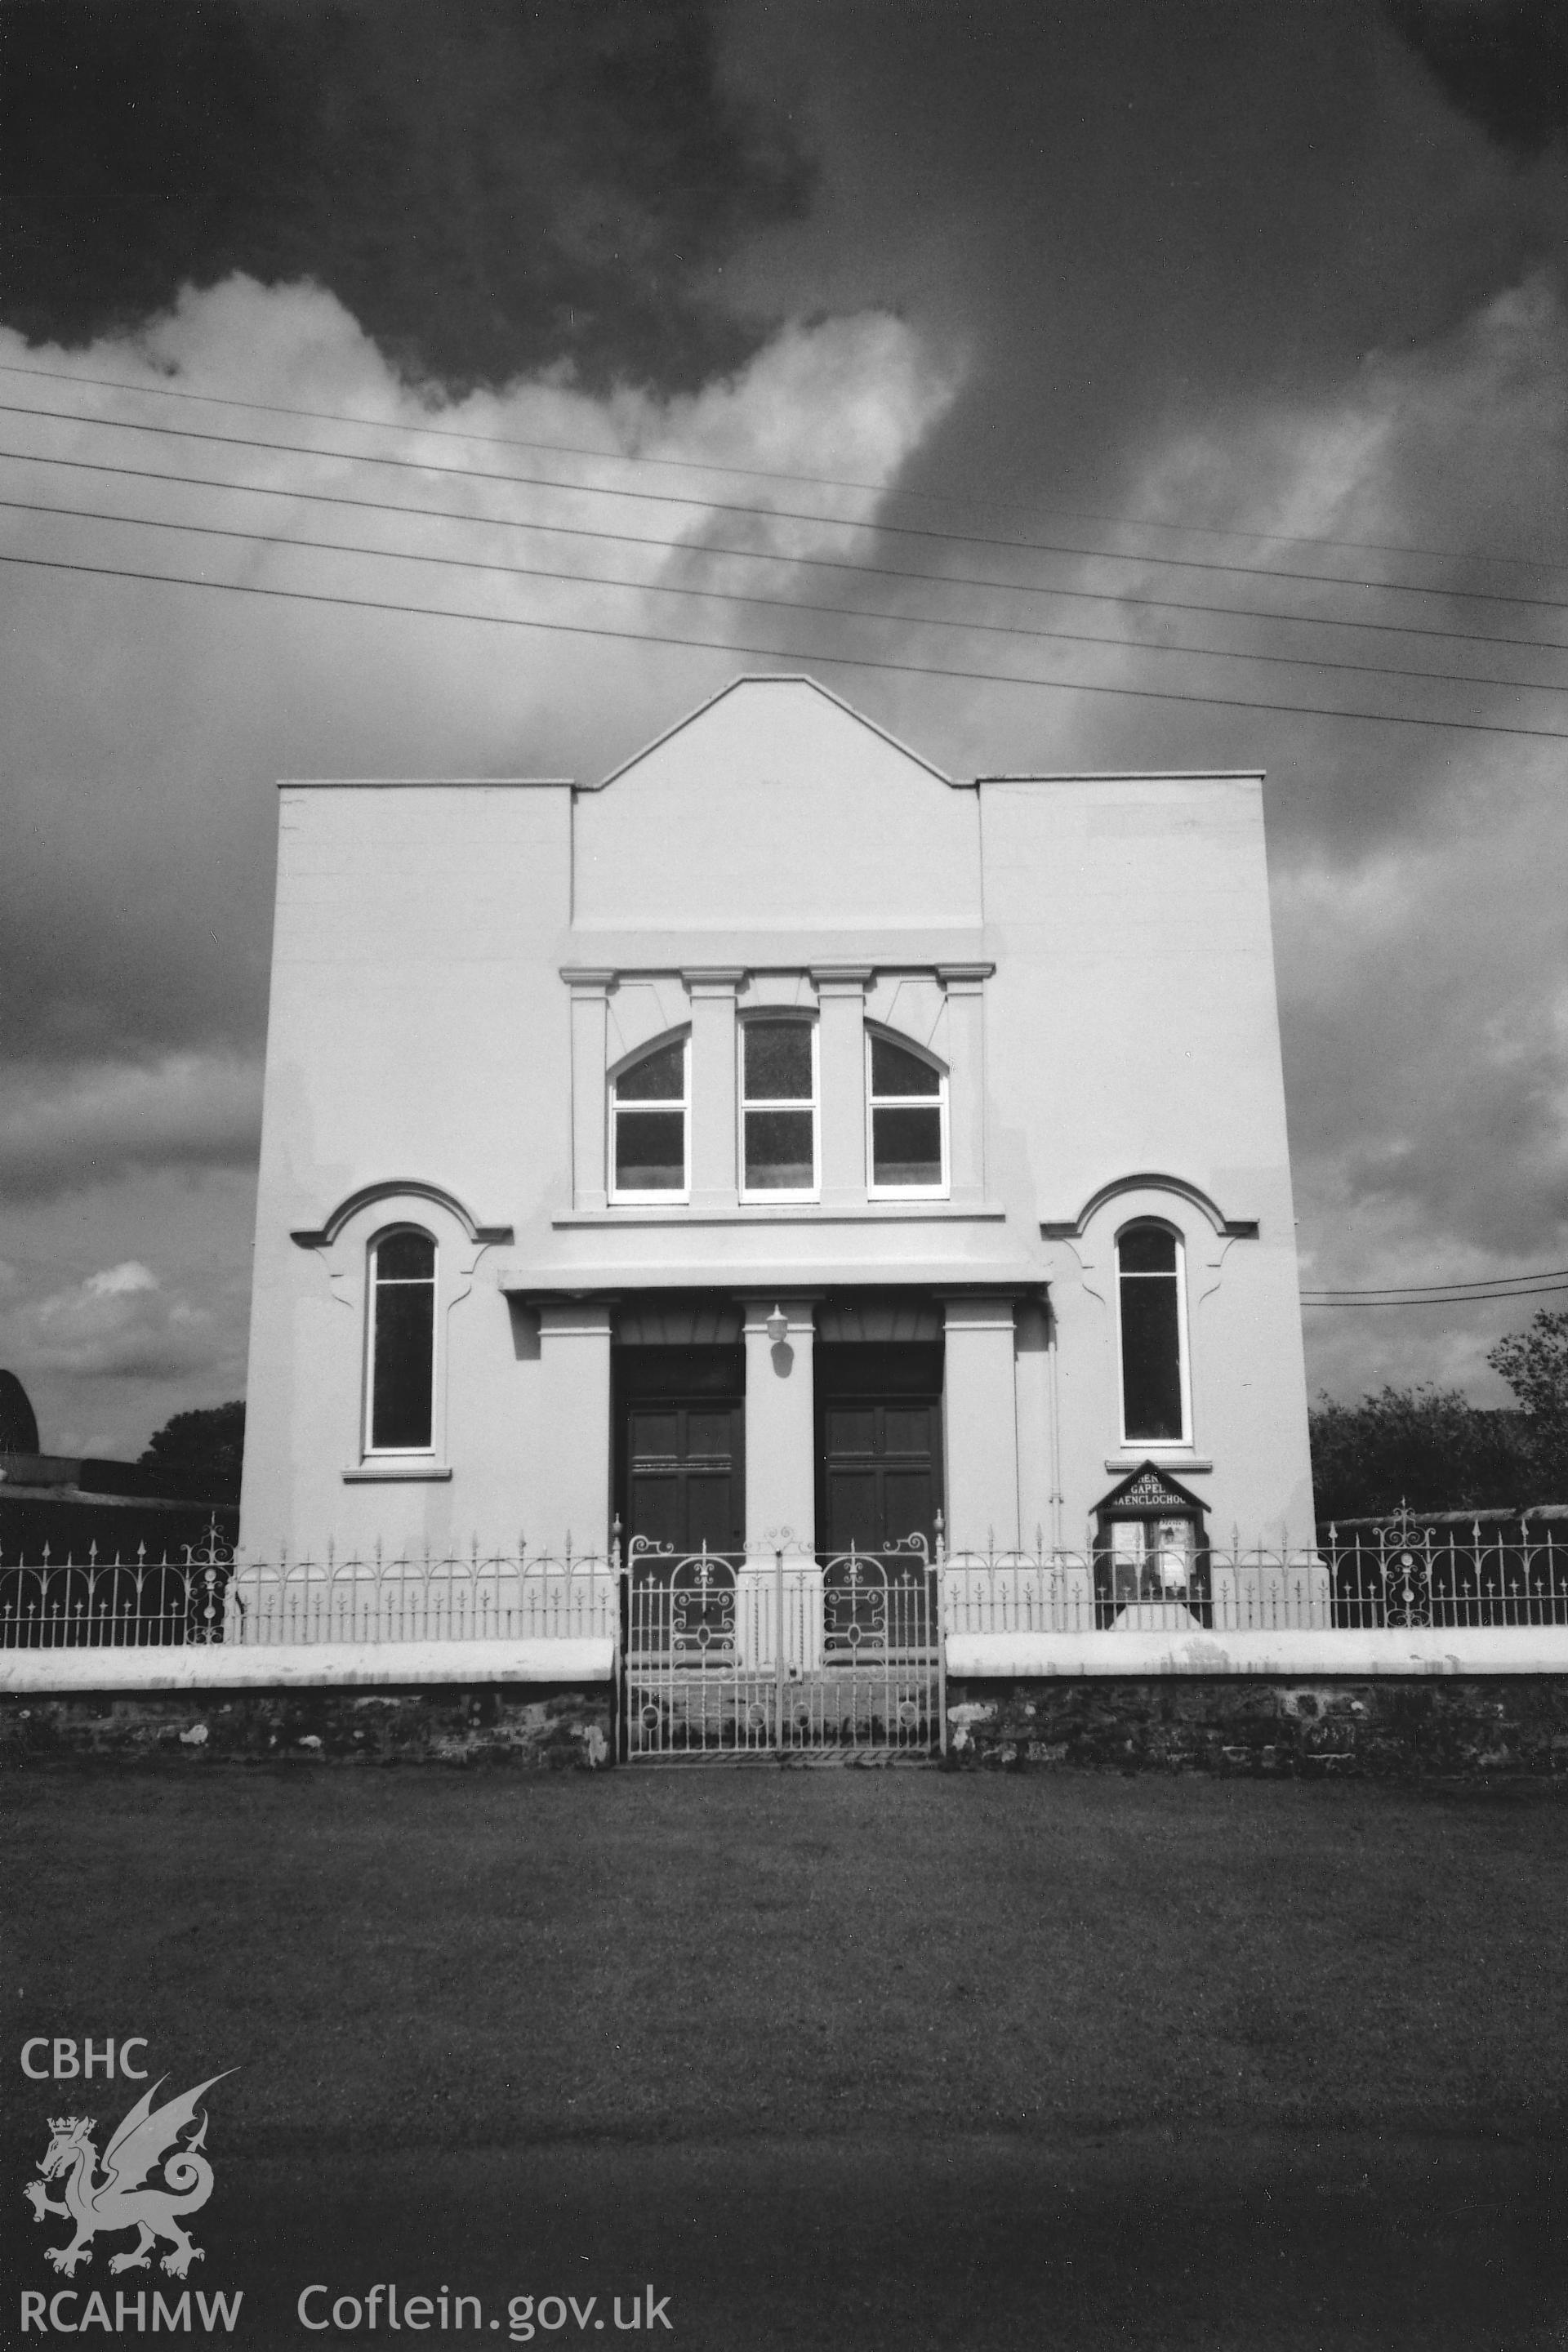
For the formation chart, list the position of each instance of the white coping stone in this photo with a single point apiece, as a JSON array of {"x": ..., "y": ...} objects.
[
  {"x": 345, "y": 1665},
  {"x": 1298, "y": 1654}
]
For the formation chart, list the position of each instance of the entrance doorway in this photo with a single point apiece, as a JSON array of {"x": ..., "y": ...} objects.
[
  {"x": 724, "y": 1658},
  {"x": 878, "y": 1445},
  {"x": 681, "y": 1447}
]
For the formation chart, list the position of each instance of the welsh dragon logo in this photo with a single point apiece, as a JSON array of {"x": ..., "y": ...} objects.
[{"x": 127, "y": 2195}]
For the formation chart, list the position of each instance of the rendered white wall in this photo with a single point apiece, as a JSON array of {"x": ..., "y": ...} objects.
[{"x": 773, "y": 850}]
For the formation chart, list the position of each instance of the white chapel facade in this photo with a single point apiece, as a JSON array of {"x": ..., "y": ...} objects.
[{"x": 778, "y": 1143}]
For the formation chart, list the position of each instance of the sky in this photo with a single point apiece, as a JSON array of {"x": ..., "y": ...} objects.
[{"x": 1002, "y": 331}]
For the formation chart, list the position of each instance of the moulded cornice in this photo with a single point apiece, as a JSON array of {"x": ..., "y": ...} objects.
[
  {"x": 397, "y": 1189},
  {"x": 1071, "y": 1229}
]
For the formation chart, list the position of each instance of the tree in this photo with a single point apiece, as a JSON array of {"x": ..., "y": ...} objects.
[
  {"x": 201, "y": 1452},
  {"x": 1534, "y": 1363},
  {"x": 1427, "y": 1446}
]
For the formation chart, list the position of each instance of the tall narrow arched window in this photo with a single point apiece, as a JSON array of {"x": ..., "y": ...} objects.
[
  {"x": 1152, "y": 1311},
  {"x": 907, "y": 1120},
  {"x": 778, "y": 1108},
  {"x": 650, "y": 1126},
  {"x": 400, "y": 1405}
]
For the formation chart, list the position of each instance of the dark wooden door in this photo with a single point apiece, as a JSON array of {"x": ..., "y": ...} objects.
[
  {"x": 681, "y": 1451},
  {"x": 878, "y": 1445}
]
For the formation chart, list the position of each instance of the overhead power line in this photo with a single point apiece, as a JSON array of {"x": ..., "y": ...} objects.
[
  {"x": 1444, "y": 1294},
  {"x": 709, "y": 550},
  {"x": 784, "y": 654},
  {"x": 778, "y": 514},
  {"x": 767, "y": 473},
  {"x": 1472, "y": 1298},
  {"x": 779, "y": 604}
]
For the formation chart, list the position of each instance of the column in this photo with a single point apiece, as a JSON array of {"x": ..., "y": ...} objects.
[
  {"x": 712, "y": 994},
  {"x": 570, "y": 1485},
  {"x": 590, "y": 1062},
  {"x": 781, "y": 1485},
  {"x": 841, "y": 1080},
  {"x": 980, "y": 1405},
  {"x": 965, "y": 985}
]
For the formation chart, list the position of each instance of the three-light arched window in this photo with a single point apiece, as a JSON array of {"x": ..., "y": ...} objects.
[
  {"x": 401, "y": 1390},
  {"x": 906, "y": 1139},
  {"x": 650, "y": 1125},
  {"x": 1152, "y": 1315},
  {"x": 779, "y": 1117}
]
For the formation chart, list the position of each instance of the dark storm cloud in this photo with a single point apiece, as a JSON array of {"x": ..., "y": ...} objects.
[
  {"x": 489, "y": 187},
  {"x": 1502, "y": 62},
  {"x": 1142, "y": 216},
  {"x": 1180, "y": 245}
]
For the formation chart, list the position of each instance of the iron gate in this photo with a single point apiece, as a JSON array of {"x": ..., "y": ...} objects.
[{"x": 726, "y": 1655}]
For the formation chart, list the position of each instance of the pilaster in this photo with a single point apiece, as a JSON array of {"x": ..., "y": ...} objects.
[
  {"x": 713, "y": 1056},
  {"x": 965, "y": 987},
  {"x": 980, "y": 1404},
  {"x": 571, "y": 1485},
  {"x": 590, "y": 1057},
  {"x": 841, "y": 1065}
]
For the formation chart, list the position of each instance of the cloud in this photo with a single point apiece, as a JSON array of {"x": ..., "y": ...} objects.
[
  {"x": 150, "y": 724},
  {"x": 1502, "y": 62},
  {"x": 516, "y": 188},
  {"x": 84, "y": 1127},
  {"x": 118, "y": 1324}
]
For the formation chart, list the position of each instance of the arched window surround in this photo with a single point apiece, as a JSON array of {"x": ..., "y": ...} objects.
[
  {"x": 1147, "y": 1337},
  {"x": 886, "y": 1100},
  {"x": 401, "y": 1337},
  {"x": 651, "y": 1115},
  {"x": 343, "y": 1247}
]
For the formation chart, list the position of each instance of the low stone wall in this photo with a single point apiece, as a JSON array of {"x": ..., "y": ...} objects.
[
  {"x": 1388, "y": 1726},
  {"x": 564, "y": 1728},
  {"x": 1421, "y": 1726}
]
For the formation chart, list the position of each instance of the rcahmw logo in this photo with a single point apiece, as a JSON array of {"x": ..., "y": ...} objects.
[{"x": 154, "y": 2175}]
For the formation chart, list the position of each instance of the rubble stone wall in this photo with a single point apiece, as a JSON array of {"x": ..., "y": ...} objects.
[{"x": 1390, "y": 1726}]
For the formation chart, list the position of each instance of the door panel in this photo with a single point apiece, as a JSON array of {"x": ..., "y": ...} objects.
[
  {"x": 908, "y": 1508},
  {"x": 879, "y": 1446},
  {"x": 680, "y": 1455},
  {"x": 853, "y": 1514},
  {"x": 909, "y": 1430},
  {"x": 851, "y": 1428}
]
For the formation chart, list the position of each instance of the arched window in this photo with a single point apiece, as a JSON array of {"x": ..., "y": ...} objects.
[
  {"x": 650, "y": 1125},
  {"x": 906, "y": 1143},
  {"x": 402, "y": 1385},
  {"x": 778, "y": 1108},
  {"x": 1153, "y": 1314}
]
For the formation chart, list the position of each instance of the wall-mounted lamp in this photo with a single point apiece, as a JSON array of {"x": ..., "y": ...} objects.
[{"x": 777, "y": 1327}]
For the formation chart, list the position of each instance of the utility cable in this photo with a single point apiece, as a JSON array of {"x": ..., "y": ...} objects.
[
  {"x": 781, "y": 514},
  {"x": 776, "y": 654},
  {"x": 762, "y": 555},
  {"x": 1481, "y": 1282},
  {"x": 780, "y": 604},
  {"x": 1467, "y": 1298},
  {"x": 765, "y": 473}
]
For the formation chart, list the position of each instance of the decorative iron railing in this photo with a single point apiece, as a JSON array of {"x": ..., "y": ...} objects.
[
  {"x": 1449, "y": 1572},
  {"x": 836, "y": 1608},
  {"x": 1399, "y": 1574},
  {"x": 359, "y": 1598}
]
